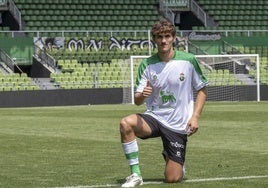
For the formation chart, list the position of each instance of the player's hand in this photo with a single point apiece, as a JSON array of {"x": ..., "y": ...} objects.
[
  {"x": 192, "y": 126},
  {"x": 147, "y": 91}
]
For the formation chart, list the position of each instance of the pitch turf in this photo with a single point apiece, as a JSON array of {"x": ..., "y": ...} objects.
[{"x": 80, "y": 146}]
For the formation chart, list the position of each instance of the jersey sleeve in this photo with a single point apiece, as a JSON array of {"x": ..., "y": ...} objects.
[
  {"x": 199, "y": 80},
  {"x": 141, "y": 84},
  {"x": 141, "y": 78}
]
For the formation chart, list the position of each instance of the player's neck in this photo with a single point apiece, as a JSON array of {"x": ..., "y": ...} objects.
[{"x": 166, "y": 56}]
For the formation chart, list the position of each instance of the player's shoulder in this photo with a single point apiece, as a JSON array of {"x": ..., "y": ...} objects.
[
  {"x": 181, "y": 55},
  {"x": 153, "y": 59}
]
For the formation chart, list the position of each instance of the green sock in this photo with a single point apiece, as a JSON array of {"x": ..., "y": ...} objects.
[
  {"x": 135, "y": 169},
  {"x": 131, "y": 151}
]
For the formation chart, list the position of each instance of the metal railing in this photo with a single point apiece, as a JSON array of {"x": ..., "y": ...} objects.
[
  {"x": 4, "y": 57},
  {"x": 177, "y": 5},
  {"x": 86, "y": 33},
  {"x": 192, "y": 48},
  {"x": 228, "y": 48},
  {"x": 168, "y": 6},
  {"x": 166, "y": 11},
  {"x": 44, "y": 57},
  {"x": 15, "y": 12},
  {"x": 201, "y": 14}
]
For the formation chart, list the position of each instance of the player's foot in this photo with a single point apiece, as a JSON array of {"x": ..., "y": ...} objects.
[{"x": 133, "y": 180}]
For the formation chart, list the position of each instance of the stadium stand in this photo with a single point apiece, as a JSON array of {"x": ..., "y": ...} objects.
[
  {"x": 237, "y": 15},
  {"x": 16, "y": 82},
  {"x": 88, "y": 15},
  {"x": 87, "y": 68}
]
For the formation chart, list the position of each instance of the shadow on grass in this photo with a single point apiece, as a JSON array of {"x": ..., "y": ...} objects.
[{"x": 156, "y": 180}]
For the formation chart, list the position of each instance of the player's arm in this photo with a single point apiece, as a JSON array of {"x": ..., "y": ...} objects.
[
  {"x": 139, "y": 97},
  {"x": 200, "y": 102},
  {"x": 193, "y": 123}
]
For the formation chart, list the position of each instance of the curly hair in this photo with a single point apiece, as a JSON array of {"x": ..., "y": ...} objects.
[{"x": 163, "y": 26}]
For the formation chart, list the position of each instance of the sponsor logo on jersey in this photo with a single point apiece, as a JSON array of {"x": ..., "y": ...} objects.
[{"x": 167, "y": 97}]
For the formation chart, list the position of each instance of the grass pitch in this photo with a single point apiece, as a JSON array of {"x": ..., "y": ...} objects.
[{"x": 79, "y": 146}]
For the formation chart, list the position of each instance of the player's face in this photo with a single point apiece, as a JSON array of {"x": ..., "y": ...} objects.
[{"x": 164, "y": 42}]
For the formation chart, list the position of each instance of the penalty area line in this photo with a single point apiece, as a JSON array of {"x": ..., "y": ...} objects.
[{"x": 161, "y": 182}]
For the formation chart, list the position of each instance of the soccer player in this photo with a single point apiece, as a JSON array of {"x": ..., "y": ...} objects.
[{"x": 165, "y": 82}]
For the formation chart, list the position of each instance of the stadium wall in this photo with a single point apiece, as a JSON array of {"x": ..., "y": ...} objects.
[
  {"x": 263, "y": 93},
  {"x": 60, "y": 97},
  {"x": 236, "y": 93},
  {"x": 74, "y": 97}
]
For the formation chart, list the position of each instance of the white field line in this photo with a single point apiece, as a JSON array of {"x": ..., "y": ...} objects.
[{"x": 160, "y": 182}]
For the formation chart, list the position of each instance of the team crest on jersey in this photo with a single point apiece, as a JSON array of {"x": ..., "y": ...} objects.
[{"x": 182, "y": 77}]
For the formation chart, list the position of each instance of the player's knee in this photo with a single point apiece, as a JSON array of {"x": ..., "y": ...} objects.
[
  {"x": 173, "y": 179},
  {"x": 125, "y": 126}
]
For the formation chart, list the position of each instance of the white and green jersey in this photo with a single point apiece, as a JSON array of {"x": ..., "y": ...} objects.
[{"x": 173, "y": 83}]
